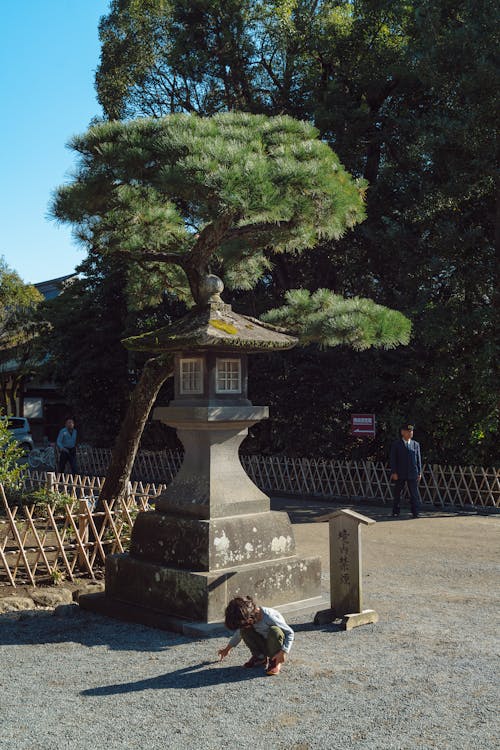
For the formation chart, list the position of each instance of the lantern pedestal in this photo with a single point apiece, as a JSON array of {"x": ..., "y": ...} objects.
[
  {"x": 212, "y": 536},
  {"x": 211, "y": 481}
]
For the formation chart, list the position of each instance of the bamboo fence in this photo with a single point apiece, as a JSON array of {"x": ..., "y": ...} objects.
[
  {"x": 66, "y": 536},
  {"x": 442, "y": 486}
]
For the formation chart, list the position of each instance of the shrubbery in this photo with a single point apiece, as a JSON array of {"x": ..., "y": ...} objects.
[{"x": 11, "y": 454}]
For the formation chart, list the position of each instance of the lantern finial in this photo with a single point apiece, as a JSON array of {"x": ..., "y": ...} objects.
[{"x": 210, "y": 289}]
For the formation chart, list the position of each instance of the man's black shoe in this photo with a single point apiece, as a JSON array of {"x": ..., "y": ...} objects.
[{"x": 395, "y": 515}]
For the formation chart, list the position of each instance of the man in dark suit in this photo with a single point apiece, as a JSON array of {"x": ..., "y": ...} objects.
[{"x": 406, "y": 468}]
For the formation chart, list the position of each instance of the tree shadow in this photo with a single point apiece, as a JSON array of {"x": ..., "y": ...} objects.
[
  {"x": 311, "y": 627},
  {"x": 88, "y": 629},
  {"x": 204, "y": 674},
  {"x": 307, "y": 510},
  {"x": 303, "y": 510}
]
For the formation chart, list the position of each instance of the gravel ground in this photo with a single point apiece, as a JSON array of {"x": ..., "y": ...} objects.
[{"x": 424, "y": 677}]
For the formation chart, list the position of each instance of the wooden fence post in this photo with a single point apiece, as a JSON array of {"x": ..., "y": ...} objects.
[
  {"x": 50, "y": 482},
  {"x": 83, "y": 531}
]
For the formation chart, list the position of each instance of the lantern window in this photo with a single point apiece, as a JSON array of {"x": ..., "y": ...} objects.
[
  {"x": 228, "y": 376},
  {"x": 191, "y": 376}
]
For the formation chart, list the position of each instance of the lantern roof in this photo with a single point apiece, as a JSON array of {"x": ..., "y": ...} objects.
[{"x": 213, "y": 326}]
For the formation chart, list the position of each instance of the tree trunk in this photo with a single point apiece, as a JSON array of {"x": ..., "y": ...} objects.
[
  {"x": 13, "y": 394},
  {"x": 155, "y": 373},
  {"x": 3, "y": 397}
]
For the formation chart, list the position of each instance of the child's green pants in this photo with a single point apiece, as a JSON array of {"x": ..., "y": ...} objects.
[{"x": 259, "y": 645}]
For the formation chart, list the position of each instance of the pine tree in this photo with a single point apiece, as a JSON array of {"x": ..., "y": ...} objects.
[
  {"x": 183, "y": 191},
  {"x": 180, "y": 195}
]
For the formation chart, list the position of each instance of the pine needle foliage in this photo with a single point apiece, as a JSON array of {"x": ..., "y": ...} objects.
[
  {"x": 188, "y": 191},
  {"x": 328, "y": 319}
]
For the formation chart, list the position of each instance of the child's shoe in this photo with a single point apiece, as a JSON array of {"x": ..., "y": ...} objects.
[
  {"x": 256, "y": 661},
  {"x": 273, "y": 667}
]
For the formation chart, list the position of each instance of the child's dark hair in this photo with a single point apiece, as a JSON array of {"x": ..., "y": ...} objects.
[{"x": 240, "y": 611}]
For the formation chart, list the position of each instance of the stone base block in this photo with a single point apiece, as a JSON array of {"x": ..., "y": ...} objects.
[
  {"x": 355, "y": 619},
  {"x": 203, "y": 596},
  {"x": 213, "y": 544},
  {"x": 348, "y": 621}
]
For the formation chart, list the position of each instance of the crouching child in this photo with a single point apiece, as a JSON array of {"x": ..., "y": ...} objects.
[{"x": 262, "y": 629}]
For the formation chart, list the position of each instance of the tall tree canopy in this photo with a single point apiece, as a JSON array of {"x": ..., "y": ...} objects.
[
  {"x": 187, "y": 191},
  {"x": 406, "y": 95}
]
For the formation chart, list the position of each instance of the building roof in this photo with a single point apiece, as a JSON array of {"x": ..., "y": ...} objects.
[{"x": 52, "y": 288}]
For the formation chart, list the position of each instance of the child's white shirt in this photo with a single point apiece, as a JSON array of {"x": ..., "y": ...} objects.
[{"x": 270, "y": 617}]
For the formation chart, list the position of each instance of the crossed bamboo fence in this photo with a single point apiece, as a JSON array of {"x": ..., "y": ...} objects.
[
  {"x": 442, "y": 486},
  {"x": 66, "y": 537}
]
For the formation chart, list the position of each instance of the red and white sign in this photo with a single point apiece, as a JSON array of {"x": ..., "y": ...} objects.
[{"x": 363, "y": 425}]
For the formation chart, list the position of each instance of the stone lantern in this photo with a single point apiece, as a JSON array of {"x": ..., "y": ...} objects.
[{"x": 212, "y": 535}]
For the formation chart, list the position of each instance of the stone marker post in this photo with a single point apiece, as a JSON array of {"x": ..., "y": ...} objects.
[{"x": 345, "y": 571}]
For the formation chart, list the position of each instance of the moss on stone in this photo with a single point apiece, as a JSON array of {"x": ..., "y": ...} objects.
[{"x": 223, "y": 326}]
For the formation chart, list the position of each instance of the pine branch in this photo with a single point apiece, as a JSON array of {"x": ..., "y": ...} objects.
[{"x": 328, "y": 319}]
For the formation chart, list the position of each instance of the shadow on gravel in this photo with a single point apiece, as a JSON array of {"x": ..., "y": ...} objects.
[
  {"x": 309, "y": 627},
  {"x": 39, "y": 628},
  {"x": 204, "y": 674},
  {"x": 306, "y": 510},
  {"x": 89, "y": 630}
]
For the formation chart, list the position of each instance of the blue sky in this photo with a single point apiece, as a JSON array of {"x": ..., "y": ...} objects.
[{"x": 48, "y": 55}]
